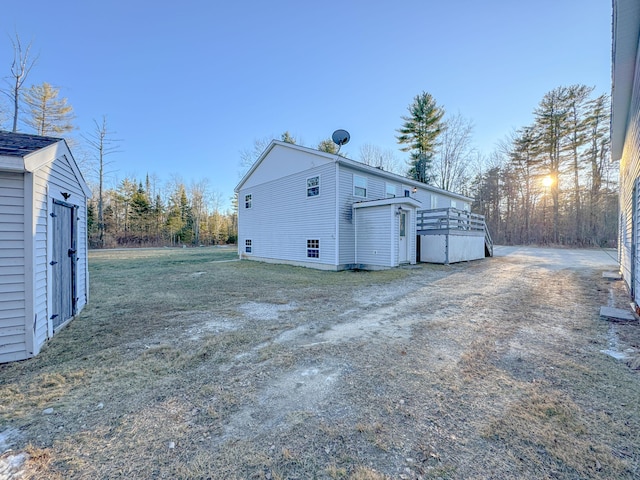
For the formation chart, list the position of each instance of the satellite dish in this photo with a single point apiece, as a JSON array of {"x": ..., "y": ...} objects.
[{"x": 340, "y": 137}]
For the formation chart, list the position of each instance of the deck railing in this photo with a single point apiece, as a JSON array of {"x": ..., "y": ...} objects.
[{"x": 443, "y": 220}]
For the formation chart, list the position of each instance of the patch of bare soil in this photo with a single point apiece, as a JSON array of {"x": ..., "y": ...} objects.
[{"x": 489, "y": 369}]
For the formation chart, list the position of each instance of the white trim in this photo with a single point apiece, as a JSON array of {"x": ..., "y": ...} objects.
[
  {"x": 30, "y": 328},
  {"x": 394, "y": 238},
  {"x": 389, "y": 201},
  {"x": 49, "y": 259},
  {"x": 11, "y": 164},
  {"x": 318, "y": 176},
  {"x": 49, "y": 154},
  {"x": 336, "y": 224}
]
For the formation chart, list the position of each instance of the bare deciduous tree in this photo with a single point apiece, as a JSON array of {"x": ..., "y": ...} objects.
[
  {"x": 377, "y": 157},
  {"x": 21, "y": 65},
  {"x": 451, "y": 162},
  {"x": 102, "y": 144}
]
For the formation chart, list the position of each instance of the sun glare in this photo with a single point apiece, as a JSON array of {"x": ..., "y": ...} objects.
[{"x": 547, "y": 181}]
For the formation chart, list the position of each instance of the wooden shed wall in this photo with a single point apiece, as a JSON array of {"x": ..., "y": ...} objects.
[{"x": 12, "y": 268}]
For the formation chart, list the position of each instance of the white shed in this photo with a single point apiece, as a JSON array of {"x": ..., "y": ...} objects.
[{"x": 44, "y": 279}]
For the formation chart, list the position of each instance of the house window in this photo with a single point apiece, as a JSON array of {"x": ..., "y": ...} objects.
[
  {"x": 434, "y": 202},
  {"x": 313, "y": 186},
  {"x": 247, "y": 201},
  {"x": 359, "y": 186},
  {"x": 454, "y": 204},
  {"x": 247, "y": 246},
  {"x": 313, "y": 248},
  {"x": 390, "y": 190}
]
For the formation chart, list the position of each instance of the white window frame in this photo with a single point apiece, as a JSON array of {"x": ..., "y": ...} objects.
[
  {"x": 310, "y": 188},
  {"x": 387, "y": 190},
  {"x": 434, "y": 201},
  {"x": 313, "y": 247},
  {"x": 357, "y": 186},
  {"x": 454, "y": 204},
  {"x": 248, "y": 201},
  {"x": 248, "y": 246}
]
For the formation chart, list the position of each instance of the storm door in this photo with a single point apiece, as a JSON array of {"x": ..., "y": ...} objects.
[
  {"x": 63, "y": 263},
  {"x": 403, "y": 249}
]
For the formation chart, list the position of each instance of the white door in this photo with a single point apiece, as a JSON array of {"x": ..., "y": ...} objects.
[{"x": 403, "y": 249}]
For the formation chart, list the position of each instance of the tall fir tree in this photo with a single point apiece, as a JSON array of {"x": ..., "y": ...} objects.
[{"x": 419, "y": 135}]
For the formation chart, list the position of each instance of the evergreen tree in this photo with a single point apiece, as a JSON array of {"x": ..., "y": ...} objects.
[
  {"x": 287, "y": 138},
  {"x": 419, "y": 135},
  {"x": 48, "y": 115},
  {"x": 328, "y": 146}
]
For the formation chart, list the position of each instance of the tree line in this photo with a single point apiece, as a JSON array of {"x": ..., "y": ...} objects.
[
  {"x": 553, "y": 182},
  {"x": 143, "y": 213},
  {"x": 550, "y": 182}
]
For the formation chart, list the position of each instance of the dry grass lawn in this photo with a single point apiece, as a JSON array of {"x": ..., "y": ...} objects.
[{"x": 184, "y": 366}]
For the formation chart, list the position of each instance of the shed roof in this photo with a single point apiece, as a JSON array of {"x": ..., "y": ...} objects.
[
  {"x": 22, "y": 144},
  {"x": 22, "y": 152}
]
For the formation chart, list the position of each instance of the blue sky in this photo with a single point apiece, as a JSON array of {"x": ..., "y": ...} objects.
[{"x": 188, "y": 85}]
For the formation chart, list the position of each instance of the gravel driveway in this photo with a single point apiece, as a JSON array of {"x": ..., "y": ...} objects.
[{"x": 487, "y": 369}]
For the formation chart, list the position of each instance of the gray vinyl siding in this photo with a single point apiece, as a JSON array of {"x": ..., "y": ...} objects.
[
  {"x": 50, "y": 180},
  {"x": 12, "y": 268},
  {"x": 282, "y": 218},
  {"x": 374, "y": 239},
  {"x": 629, "y": 175},
  {"x": 376, "y": 190}
]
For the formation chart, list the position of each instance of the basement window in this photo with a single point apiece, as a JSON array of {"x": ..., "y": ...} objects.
[
  {"x": 313, "y": 248},
  {"x": 313, "y": 186},
  {"x": 247, "y": 246},
  {"x": 247, "y": 201}
]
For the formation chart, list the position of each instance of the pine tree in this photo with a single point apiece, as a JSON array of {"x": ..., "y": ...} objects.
[
  {"x": 419, "y": 135},
  {"x": 328, "y": 146},
  {"x": 287, "y": 138},
  {"x": 48, "y": 114}
]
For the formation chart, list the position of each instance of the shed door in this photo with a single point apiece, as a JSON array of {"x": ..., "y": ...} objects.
[{"x": 63, "y": 264}]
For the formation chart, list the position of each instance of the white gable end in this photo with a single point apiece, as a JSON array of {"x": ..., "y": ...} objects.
[{"x": 282, "y": 162}]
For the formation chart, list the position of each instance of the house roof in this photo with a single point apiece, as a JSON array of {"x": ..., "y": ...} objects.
[
  {"x": 21, "y": 152},
  {"x": 350, "y": 163},
  {"x": 626, "y": 31},
  {"x": 22, "y": 144}
]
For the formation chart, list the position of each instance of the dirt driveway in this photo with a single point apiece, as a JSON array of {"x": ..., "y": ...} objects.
[{"x": 490, "y": 369}]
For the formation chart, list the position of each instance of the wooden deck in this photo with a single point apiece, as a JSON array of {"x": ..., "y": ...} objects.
[{"x": 452, "y": 221}]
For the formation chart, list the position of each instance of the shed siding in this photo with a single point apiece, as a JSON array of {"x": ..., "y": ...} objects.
[
  {"x": 282, "y": 218},
  {"x": 373, "y": 237},
  {"x": 629, "y": 175},
  {"x": 12, "y": 268},
  {"x": 50, "y": 181}
]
